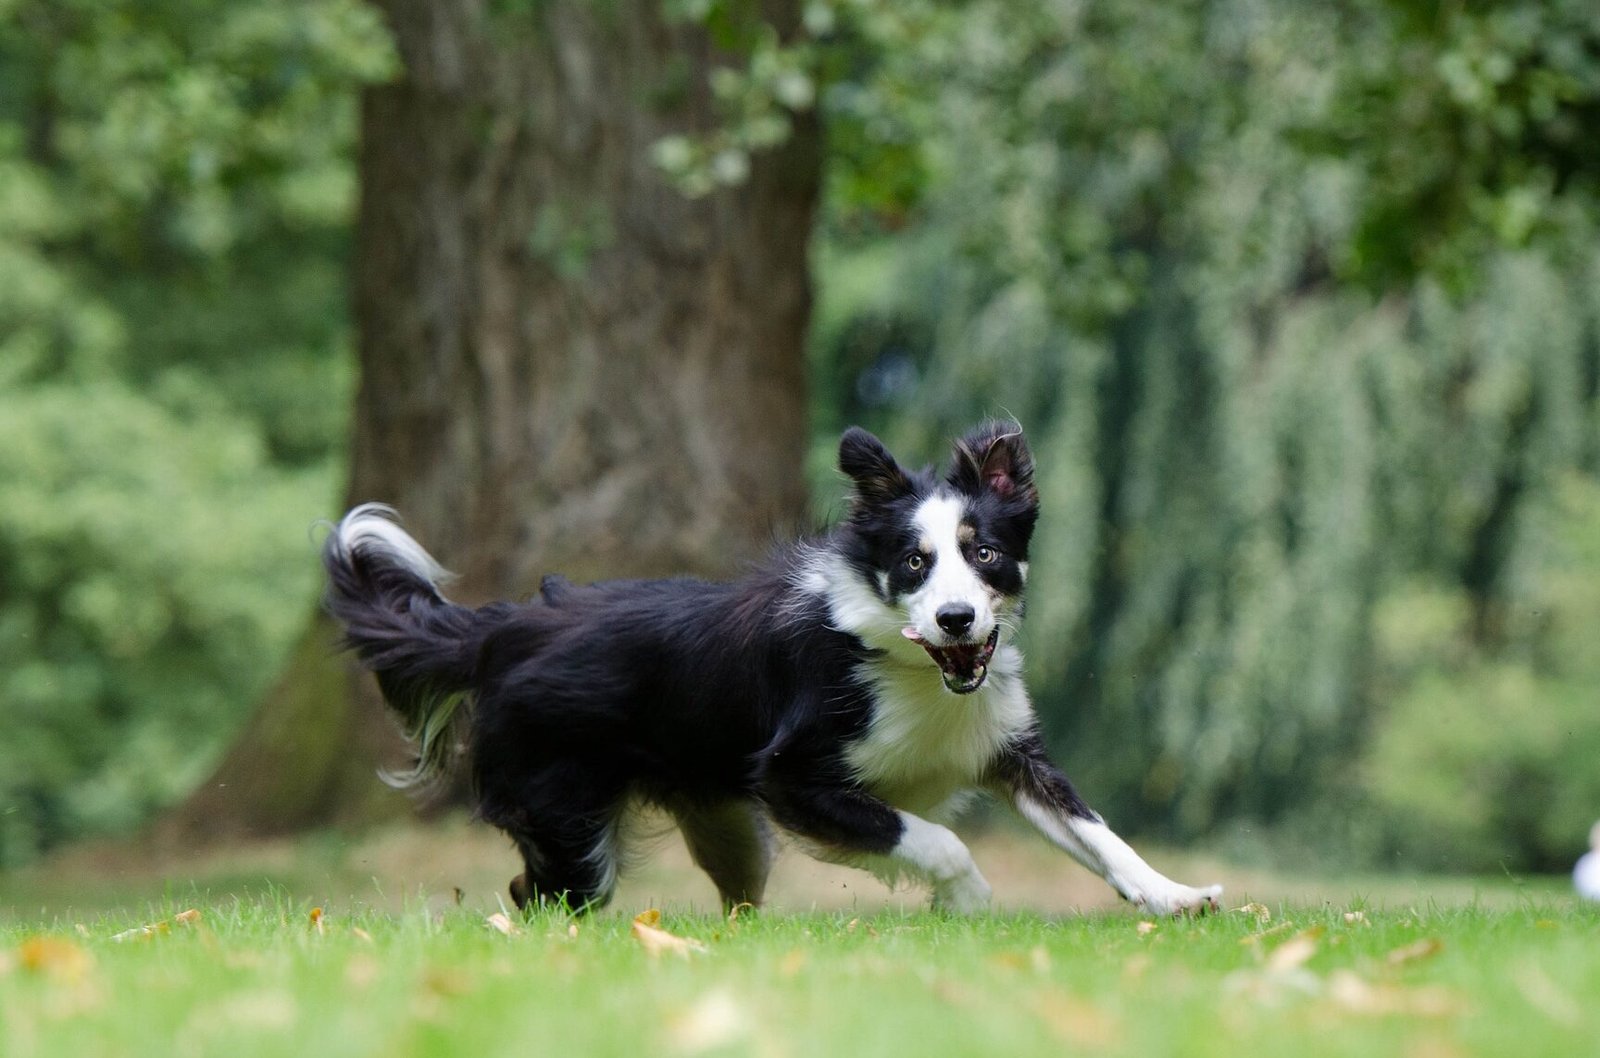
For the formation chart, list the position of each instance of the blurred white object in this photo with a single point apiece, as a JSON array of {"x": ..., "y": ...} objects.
[{"x": 1586, "y": 876}]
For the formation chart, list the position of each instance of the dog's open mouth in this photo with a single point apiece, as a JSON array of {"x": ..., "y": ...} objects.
[{"x": 964, "y": 665}]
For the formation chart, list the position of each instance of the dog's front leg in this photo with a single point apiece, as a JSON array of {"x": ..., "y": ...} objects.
[
  {"x": 1043, "y": 795},
  {"x": 852, "y": 826}
]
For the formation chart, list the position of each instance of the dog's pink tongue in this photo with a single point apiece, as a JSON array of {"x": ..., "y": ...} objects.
[{"x": 911, "y": 633}]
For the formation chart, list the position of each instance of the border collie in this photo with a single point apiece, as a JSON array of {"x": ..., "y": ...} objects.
[{"x": 855, "y": 691}]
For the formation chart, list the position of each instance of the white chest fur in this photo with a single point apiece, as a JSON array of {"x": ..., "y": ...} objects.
[{"x": 926, "y": 746}]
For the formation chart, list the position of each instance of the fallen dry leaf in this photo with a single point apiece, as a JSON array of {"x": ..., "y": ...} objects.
[
  {"x": 54, "y": 956},
  {"x": 1145, "y": 928},
  {"x": 155, "y": 929},
  {"x": 1075, "y": 1020},
  {"x": 316, "y": 920},
  {"x": 1547, "y": 997},
  {"x": 713, "y": 1021},
  {"x": 1270, "y": 989},
  {"x": 361, "y": 934},
  {"x": 657, "y": 941},
  {"x": 445, "y": 981},
  {"x": 500, "y": 922},
  {"x": 1355, "y": 918},
  {"x": 1294, "y": 952},
  {"x": 1422, "y": 949},
  {"x": 1359, "y": 996},
  {"x": 1259, "y": 912},
  {"x": 1008, "y": 960},
  {"x": 190, "y": 917},
  {"x": 361, "y": 971}
]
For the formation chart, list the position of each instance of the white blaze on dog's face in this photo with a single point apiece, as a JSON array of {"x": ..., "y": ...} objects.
[
  {"x": 953, "y": 604},
  {"x": 945, "y": 557}
]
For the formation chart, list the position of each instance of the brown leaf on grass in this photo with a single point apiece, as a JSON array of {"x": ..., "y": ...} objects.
[
  {"x": 714, "y": 1021},
  {"x": 1008, "y": 960},
  {"x": 1547, "y": 997},
  {"x": 1254, "y": 939},
  {"x": 498, "y": 921},
  {"x": 1260, "y": 912},
  {"x": 55, "y": 957},
  {"x": 361, "y": 971},
  {"x": 657, "y": 941},
  {"x": 316, "y": 921},
  {"x": 1426, "y": 948},
  {"x": 1076, "y": 1021},
  {"x": 155, "y": 929},
  {"x": 445, "y": 982},
  {"x": 190, "y": 917},
  {"x": 1359, "y": 996},
  {"x": 1294, "y": 952}
]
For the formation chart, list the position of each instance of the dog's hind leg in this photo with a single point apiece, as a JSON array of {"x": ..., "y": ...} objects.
[
  {"x": 568, "y": 835},
  {"x": 1044, "y": 797},
  {"x": 733, "y": 843},
  {"x": 580, "y": 878}
]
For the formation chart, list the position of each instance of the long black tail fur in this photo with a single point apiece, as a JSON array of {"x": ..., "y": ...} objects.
[{"x": 383, "y": 588}]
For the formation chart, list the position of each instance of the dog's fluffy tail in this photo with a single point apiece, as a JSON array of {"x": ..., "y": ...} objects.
[{"x": 383, "y": 588}]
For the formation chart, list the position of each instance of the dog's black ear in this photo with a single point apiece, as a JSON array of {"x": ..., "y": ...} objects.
[
  {"x": 995, "y": 457},
  {"x": 875, "y": 474}
]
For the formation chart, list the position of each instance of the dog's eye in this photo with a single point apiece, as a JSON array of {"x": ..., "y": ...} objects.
[
  {"x": 987, "y": 554},
  {"x": 914, "y": 563}
]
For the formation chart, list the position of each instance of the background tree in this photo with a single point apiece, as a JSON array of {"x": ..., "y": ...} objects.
[{"x": 566, "y": 363}]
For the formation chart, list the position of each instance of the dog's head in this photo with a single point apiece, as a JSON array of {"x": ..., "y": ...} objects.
[{"x": 944, "y": 556}]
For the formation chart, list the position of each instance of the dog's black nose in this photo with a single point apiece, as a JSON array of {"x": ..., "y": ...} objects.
[{"x": 955, "y": 618}]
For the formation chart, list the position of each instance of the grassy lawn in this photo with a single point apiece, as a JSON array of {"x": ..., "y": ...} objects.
[
  {"x": 1511, "y": 970},
  {"x": 259, "y": 977}
]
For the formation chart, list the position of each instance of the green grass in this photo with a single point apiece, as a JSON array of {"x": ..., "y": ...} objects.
[{"x": 255, "y": 977}]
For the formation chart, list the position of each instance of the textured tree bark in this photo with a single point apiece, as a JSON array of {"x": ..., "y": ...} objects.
[{"x": 566, "y": 365}]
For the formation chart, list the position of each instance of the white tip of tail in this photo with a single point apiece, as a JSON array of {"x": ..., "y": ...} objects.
[{"x": 374, "y": 529}]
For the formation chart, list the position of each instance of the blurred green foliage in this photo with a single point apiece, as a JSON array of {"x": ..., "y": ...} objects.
[
  {"x": 1298, "y": 303},
  {"x": 175, "y": 194}
]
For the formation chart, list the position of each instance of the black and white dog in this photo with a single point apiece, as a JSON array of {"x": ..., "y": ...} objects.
[{"x": 855, "y": 691}]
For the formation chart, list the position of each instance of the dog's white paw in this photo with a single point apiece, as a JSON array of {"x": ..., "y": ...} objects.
[
  {"x": 1170, "y": 898},
  {"x": 966, "y": 894}
]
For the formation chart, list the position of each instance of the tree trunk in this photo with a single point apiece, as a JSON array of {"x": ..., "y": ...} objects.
[{"x": 566, "y": 365}]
